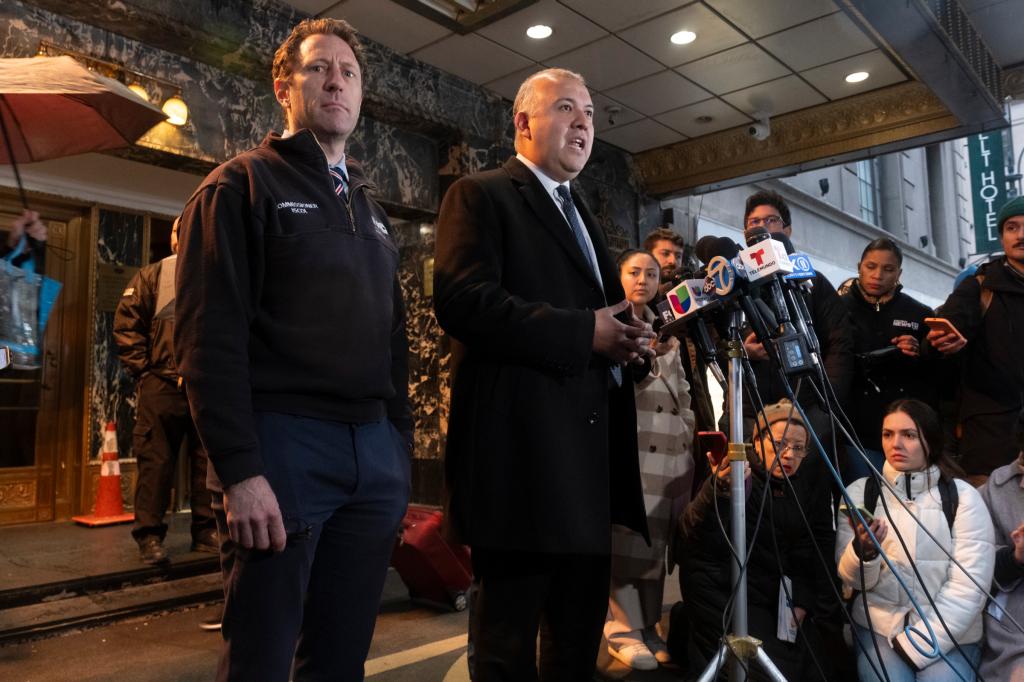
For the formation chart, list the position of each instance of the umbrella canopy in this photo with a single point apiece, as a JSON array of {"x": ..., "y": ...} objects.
[{"x": 54, "y": 107}]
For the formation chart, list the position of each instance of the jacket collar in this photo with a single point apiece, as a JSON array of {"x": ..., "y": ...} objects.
[
  {"x": 910, "y": 484},
  {"x": 303, "y": 147},
  {"x": 998, "y": 277},
  {"x": 1005, "y": 474}
]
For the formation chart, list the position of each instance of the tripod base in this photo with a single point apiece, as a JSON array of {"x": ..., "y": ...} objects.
[{"x": 746, "y": 649}]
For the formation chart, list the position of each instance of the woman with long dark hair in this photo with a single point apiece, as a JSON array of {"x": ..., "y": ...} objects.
[{"x": 919, "y": 481}]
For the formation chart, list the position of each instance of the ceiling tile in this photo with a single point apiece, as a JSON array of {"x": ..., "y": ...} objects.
[
  {"x": 641, "y": 136},
  {"x": 508, "y": 86},
  {"x": 394, "y": 26},
  {"x": 992, "y": 20},
  {"x": 734, "y": 69},
  {"x": 606, "y": 120},
  {"x": 831, "y": 78},
  {"x": 472, "y": 57},
  {"x": 570, "y": 30},
  {"x": 818, "y": 42},
  {"x": 685, "y": 121},
  {"x": 775, "y": 97},
  {"x": 760, "y": 18},
  {"x": 713, "y": 35},
  {"x": 660, "y": 92},
  {"x": 607, "y": 63},
  {"x": 615, "y": 15}
]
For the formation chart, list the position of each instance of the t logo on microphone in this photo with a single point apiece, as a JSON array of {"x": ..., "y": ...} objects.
[{"x": 757, "y": 256}]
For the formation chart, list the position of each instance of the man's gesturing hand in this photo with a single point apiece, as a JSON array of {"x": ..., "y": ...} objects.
[
  {"x": 254, "y": 519},
  {"x": 622, "y": 342}
]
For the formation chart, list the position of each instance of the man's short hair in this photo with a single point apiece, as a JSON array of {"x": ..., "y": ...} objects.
[
  {"x": 767, "y": 198},
  {"x": 526, "y": 97},
  {"x": 288, "y": 52},
  {"x": 663, "y": 234}
]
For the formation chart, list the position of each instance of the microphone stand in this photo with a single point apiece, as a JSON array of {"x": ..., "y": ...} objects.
[{"x": 739, "y": 643}]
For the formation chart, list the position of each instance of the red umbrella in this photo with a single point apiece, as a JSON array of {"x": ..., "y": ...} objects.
[{"x": 53, "y": 106}]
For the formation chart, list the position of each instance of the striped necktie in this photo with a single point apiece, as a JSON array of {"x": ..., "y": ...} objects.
[
  {"x": 340, "y": 183},
  {"x": 569, "y": 209}
]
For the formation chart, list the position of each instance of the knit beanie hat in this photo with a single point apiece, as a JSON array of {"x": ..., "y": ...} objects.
[
  {"x": 778, "y": 412},
  {"x": 1010, "y": 208}
]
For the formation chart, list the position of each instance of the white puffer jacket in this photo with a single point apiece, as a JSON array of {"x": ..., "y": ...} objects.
[{"x": 958, "y": 599}]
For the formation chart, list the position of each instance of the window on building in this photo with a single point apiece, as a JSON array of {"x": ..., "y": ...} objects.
[{"x": 867, "y": 180}]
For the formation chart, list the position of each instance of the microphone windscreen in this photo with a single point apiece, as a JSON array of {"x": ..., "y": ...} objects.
[
  {"x": 781, "y": 237},
  {"x": 754, "y": 235},
  {"x": 726, "y": 248},
  {"x": 704, "y": 248}
]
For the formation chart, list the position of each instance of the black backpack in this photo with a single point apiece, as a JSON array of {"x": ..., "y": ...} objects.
[{"x": 949, "y": 497}]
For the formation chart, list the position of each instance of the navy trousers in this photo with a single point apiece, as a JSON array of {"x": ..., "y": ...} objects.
[{"x": 343, "y": 490}]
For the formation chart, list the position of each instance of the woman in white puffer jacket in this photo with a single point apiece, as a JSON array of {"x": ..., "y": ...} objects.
[{"x": 914, "y": 464}]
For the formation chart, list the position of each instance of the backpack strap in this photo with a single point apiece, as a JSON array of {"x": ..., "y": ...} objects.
[
  {"x": 949, "y": 497},
  {"x": 871, "y": 492},
  {"x": 986, "y": 295}
]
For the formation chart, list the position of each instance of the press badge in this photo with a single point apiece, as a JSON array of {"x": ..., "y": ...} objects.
[{"x": 787, "y": 626}]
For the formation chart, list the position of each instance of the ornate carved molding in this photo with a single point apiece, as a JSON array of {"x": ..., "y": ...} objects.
[
  {"x": 875, "y": 118},
  {"x": 17, "y": 495}
]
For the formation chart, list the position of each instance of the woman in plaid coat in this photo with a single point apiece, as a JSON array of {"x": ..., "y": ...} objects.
[{"x": 665, "y": 425}]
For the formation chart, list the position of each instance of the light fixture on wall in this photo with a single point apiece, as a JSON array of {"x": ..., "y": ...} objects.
[{"x": 149, "y": 88}]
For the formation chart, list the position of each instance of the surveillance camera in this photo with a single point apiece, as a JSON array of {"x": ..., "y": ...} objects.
[
  {"x": 759, "y": 131},
  {"x": 612, "y": 110}
]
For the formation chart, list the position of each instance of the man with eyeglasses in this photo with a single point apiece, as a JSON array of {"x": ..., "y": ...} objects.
[{"x": 769, "y": 210}]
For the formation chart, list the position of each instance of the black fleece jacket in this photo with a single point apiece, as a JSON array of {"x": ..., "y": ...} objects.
[
  {"x": 287, "y": 301},
  {"x": 877, "y": 383}
]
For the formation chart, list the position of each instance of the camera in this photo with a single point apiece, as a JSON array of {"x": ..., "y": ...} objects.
[{"x": 761, "y": 130}]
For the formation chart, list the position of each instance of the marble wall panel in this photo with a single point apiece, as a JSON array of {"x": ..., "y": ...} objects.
[{"x": 120, "y": 241}]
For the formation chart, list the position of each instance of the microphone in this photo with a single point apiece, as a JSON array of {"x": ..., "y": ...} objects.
[{"x": 802, "y": 279}]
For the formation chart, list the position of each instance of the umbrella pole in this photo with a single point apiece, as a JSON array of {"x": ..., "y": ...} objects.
[{"x": 10, "y": 152}]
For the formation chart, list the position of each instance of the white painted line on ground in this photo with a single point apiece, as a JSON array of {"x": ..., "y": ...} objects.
[{"x": 383, "y": 664}]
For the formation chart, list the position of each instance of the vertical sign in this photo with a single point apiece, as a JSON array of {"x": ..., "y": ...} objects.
[{"x": 988, "y": 188}]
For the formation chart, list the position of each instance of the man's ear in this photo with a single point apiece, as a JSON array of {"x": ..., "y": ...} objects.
[
  {"x": 281, "y": 90},
  {"x": 522, "y": 124}
]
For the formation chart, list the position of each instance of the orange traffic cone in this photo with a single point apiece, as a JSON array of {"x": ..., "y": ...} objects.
[{"x": 109, "y": 507}]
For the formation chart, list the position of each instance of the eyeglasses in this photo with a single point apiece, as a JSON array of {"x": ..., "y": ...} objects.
[
  {"x": 769, "y": 221},
  {"x": 798, "y": 449}
]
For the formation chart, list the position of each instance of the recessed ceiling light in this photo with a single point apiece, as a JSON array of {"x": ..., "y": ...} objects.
[
  {"x": 539, "y": 32},
  {"x": 857, "y": 77},
  {"x": 683, "y": 37}
]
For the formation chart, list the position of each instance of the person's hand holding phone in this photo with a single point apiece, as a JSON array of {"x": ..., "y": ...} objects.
[
  {"x": 863, "y": 547},
  {"x": 943, "y": 336}
]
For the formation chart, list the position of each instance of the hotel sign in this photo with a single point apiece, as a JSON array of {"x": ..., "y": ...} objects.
[{"x": 988, "y": 188}]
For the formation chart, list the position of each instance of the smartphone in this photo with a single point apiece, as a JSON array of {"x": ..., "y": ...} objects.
[
  {"x": 5, "y": 356},
  {"x": 941, "y": 324},
  {"x": 714, "y": 442},
  {"x": 845, "y": 510}
]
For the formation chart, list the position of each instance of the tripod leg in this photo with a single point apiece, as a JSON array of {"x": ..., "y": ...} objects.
[
  {"x": 715, "y": 665},
  {"x": 766, "y": 664}
]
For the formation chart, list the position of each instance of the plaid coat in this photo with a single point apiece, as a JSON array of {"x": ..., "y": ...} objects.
[{"x": 665, "y": 425}]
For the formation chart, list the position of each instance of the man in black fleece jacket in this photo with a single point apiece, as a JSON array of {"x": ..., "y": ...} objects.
[{"x": 290, "y": 336}]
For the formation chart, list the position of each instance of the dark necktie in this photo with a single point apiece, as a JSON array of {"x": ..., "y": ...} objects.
[
  {"x": 569, "y": 209},
  {"x": 340, "y": 184}
]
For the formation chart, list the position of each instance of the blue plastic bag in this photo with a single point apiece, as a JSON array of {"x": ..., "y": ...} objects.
[{"x": 26, "y": 301}]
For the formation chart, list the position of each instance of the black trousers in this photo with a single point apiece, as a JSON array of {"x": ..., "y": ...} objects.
[
  {"x": 563, "y": 596},
  {"x": 162, "y": 423}
]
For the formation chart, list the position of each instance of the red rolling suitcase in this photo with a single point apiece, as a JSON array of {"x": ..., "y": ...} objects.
[{"x": 435, "y": 571}]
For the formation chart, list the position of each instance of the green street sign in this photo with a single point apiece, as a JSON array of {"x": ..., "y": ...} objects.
[{"x": 988, "y": 188}]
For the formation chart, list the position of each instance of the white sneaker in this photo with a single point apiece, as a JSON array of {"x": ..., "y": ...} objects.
[
  {"x": 657, "y": 646},
  {"x": 636, "y": 656}
]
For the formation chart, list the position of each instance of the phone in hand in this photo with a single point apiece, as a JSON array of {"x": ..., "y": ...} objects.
[
  {"x": 941, "y": 324},
  {"x": 714, "y": 442},
  {"x": 845, "y": 510}
]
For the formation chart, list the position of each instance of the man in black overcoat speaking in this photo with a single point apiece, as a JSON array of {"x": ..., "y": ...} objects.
[{"x": 541, "y": 456}]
